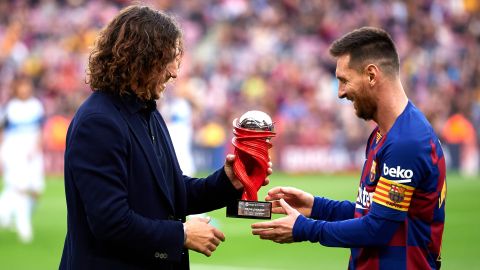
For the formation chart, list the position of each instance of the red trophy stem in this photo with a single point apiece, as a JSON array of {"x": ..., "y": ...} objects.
[{"x": 251, "y": 162}]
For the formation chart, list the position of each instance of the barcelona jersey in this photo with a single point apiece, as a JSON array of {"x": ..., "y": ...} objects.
[
  {"x": 398, "y": 217},
  {"x": 403, "y": 179}
]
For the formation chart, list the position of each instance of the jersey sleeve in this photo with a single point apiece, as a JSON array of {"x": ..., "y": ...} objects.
[
  {"x": 403, "y": 166},
  {"x": 369, "y": 230},
  {"x": 331, "y": 210}
]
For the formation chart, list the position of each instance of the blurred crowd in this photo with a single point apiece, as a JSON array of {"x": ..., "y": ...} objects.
[{"x": 266, "y": 55}]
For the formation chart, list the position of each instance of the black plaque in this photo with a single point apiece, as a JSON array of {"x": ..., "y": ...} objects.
[{"x": 250, "y": 209}]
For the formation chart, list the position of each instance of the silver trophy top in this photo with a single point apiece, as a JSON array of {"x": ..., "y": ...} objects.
[{"x": 256, "y": 120}]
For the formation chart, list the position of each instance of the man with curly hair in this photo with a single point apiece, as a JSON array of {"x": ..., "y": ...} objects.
[{"x": 127, "y": 197}]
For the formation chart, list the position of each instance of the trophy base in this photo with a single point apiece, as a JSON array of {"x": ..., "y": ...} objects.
[{"x": 250, "y": 209}]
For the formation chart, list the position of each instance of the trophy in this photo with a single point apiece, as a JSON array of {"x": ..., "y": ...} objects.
[{"x": 252, "y": 134}]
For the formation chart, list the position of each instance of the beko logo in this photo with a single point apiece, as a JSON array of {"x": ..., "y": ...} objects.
[{"x": 397, "y": 172}]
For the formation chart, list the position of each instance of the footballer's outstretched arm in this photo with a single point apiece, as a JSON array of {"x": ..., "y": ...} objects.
[
  {"x": 314, "y": 207},
  {"x": 370, "y": 230},
  {"x": 332, "y": 210}
]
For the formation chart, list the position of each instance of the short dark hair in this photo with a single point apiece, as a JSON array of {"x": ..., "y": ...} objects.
[
  {"x": 368, "y": 44},
  {"x": 132, "y": 50}
]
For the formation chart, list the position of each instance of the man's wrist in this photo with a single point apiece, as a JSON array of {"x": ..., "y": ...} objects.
[{"x": 184, "y": 234}]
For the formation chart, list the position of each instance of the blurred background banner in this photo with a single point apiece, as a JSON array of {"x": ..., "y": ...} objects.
[
  {"x": 265, "y": 55},
  {"x": 258, "y": 55}
]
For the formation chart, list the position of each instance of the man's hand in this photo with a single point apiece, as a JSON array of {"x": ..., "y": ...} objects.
[
  {"x": 279, "y": 230},
  {"x": 201, "y": 236},
  {"x": 233, "y": 178},
  {"x": 296, "y": 198}
]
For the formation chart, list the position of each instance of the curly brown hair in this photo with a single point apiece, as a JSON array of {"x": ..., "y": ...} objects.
[{"x": 133, "y": 50}]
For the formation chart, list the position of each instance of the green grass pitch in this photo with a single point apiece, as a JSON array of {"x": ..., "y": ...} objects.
[{"x": 241, "y": 250}]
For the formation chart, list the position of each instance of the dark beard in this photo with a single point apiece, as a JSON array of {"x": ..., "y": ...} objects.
[{"x": 366, "y": 108}]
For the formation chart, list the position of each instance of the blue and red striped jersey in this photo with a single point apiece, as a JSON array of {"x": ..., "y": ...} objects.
[
  {"x": 397, "y": 220},
  {"x": 403, "y": 179}
]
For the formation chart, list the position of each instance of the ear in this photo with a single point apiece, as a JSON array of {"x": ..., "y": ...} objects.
[{"x": 373, "y": 74}]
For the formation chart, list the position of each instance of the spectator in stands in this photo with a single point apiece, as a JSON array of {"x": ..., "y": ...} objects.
[{"x": 236, "y": 45}]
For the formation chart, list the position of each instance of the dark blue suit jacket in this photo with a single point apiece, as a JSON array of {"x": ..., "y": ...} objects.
[{"x": 120, "y": 214}]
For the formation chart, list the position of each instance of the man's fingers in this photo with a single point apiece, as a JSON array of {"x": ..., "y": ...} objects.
[
  {"x": 276, "y": 203},
  {"x": 289, "y": 190},
  {"x": 277, "y": 207},
  {"x": 266, "y": 237},
  {"x": 287, "y": 193},
  {"x": 286, "y": 206},
  {"x": 269, "y": 169},
  {"x": 206, "y": 252},
  {"x": 278, "y": 210},
  {"x": 229, "y": 159},
  {"x": 274, "y": 197},
  {"x": 263, "y": 225},
  {"x": 266, "y": 182},
  {"x": 212, "y": 247},
  {"x": 218, "y": 234},
  {"x": 274, "y": 190},
  {"x": 268, "y": 234},
  {"x": 260, "y": 231},
  {"x": 216, "y": 241}
]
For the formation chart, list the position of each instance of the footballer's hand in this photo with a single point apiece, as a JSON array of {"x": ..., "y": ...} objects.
[
  {"x": 300, "y": 200},
  {"x": 234, "y": 179},
  {"x": 201, "y": 236},
  {"x": 279, "y": 230}
]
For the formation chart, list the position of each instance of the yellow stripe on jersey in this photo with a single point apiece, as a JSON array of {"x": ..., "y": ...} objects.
[
  {"x": 385, "y": 194},
  {"x": 387, "y": 182},
  {"x": 443, "y": 194},
  {"x": 393, "y": 195},
  {"x": 378, "y": 137}
]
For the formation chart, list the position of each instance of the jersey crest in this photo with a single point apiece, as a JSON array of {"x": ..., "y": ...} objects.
[
  {"x": 396, "y": 193},
  {"x": 393, "y": 195},
  {"x": 373, "y": 171}
]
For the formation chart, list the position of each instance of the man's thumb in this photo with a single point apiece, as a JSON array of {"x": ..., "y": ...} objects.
[
  {"x": 230, "y": 158},
  {"x": 207, "y": 219},
  {"x": 202, "y": 219},
  {"x": 286, "y": 206}
]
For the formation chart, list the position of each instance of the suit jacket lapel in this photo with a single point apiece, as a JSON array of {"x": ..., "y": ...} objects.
[
  {"x": 179, "y": 187},
  {"x": 136, "y": 126},
  {"x": 168, "y": 141}
]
